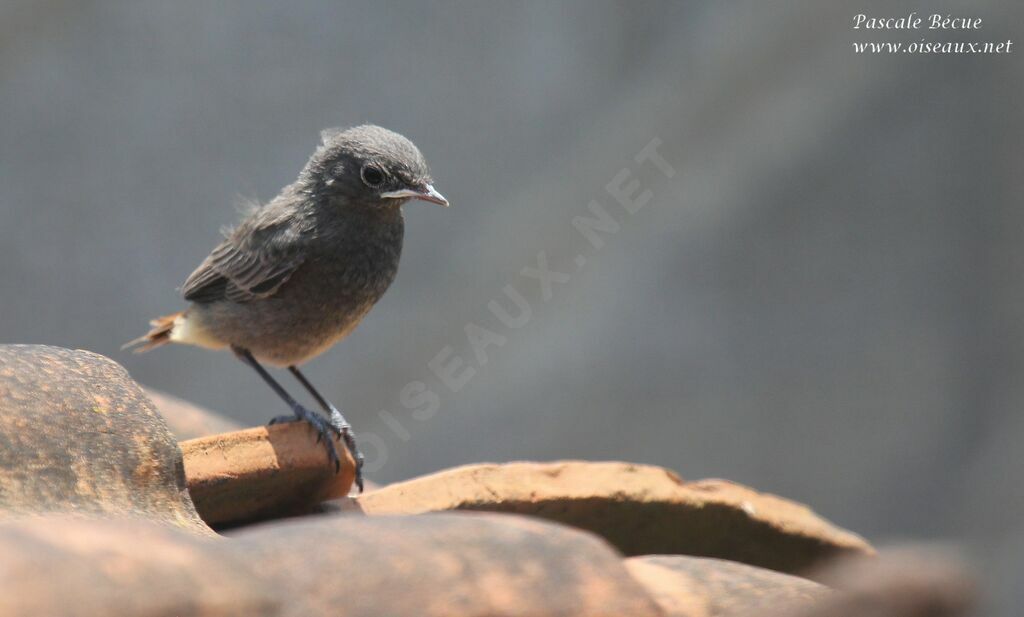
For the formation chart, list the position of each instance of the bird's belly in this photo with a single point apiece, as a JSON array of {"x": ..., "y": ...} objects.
[
  {"x": 316, "y": 338},
  {"x": 320, "y": 305},
  {"x": 276, "y": 332}
]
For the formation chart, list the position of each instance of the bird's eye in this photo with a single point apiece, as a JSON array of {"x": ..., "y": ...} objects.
[{"x": 372, "y": 176}]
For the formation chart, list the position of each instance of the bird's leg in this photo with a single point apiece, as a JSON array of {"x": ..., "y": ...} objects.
[
  {"x": 337, "y": 421},
  {"x": 322, "y": 427}
]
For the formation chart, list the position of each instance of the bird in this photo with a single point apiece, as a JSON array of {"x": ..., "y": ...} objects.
[{"x": 298, "y": 273}]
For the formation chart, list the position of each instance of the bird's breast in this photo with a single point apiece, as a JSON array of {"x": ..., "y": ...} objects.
[{"x": 348, "y": 274}]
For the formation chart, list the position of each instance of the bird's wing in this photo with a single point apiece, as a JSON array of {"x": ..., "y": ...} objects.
[{"x": 246, "y": 269}]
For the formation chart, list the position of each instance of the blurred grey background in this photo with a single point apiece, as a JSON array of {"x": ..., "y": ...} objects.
[{"x": 824, "y": 302}]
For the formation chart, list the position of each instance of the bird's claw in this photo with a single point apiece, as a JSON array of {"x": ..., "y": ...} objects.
[
  {"x": 344, "y": 431},
  {"x": 323, "y": 430},
  {"x": 336, "y": 425}
]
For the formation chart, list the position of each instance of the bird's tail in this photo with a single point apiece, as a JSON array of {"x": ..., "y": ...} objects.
[{"x": 160, "y": 334}]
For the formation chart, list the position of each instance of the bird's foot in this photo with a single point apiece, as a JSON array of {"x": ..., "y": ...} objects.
[
  {"x": 324, "y": 432},
  {"x": 344, "y": 430}
]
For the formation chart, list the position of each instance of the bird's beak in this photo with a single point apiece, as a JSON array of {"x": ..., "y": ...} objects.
[{"x": 426, "y": 192}]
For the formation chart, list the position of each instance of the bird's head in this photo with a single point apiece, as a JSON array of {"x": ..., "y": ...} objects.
[{"x": 371, "y": 166}]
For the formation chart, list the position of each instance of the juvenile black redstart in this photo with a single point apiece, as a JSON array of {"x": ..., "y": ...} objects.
[{"x": 300, "y": 272}]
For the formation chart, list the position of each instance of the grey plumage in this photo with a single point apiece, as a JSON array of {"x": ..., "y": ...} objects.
[{"x": 299, "y": 273}]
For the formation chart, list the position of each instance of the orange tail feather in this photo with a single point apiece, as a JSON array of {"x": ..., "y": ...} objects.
[{"x": 159, "y": 335}]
